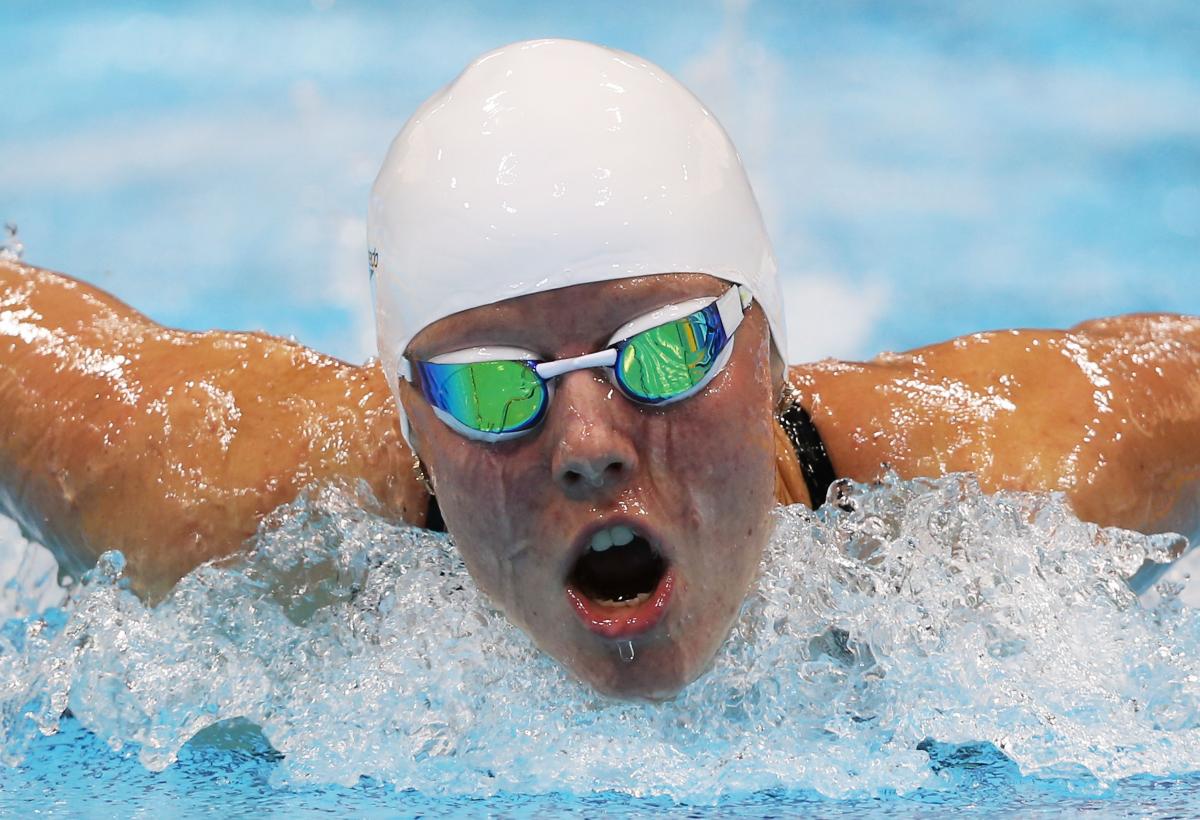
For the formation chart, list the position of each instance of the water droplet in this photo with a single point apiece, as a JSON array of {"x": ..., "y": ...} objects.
[
  {"x": 626, "y": 651},
  {"x": 110, "y": 566},
  {"x": 11, "y": 248},
  {"x": 841, "y": 495}
]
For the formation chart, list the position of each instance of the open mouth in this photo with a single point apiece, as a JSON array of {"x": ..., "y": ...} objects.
[{"x": 621, "y": 584}]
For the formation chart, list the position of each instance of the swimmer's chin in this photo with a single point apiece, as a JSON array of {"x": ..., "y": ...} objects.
[
  {"x": 625, "y": 689},
  {"x": 646, "y": 678},
  {"x": 655, "y": 697}
]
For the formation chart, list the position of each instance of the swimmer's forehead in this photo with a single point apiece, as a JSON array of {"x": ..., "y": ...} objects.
[{"x": 565, "y": 321}]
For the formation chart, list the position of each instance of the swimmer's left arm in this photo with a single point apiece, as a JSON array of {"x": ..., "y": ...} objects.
[{"x": 1107, "y": 412}]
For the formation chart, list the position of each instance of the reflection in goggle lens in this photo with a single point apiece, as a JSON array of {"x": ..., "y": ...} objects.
[
  {"x": 667, "y": 360},
  {"x": 508, "y": 396}
]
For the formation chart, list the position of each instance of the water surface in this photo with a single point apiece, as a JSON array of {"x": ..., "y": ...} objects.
[{"x": 925, "y": 644}]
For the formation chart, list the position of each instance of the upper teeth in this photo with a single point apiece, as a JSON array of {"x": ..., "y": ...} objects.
[{"x": 613, "y": 536}]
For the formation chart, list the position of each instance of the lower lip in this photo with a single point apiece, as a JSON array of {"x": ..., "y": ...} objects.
[{"x": 623, "y": 621}]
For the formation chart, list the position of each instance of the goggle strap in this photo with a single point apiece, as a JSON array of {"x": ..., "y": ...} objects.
[
  {"x": 747, "y": 296},
  {"x": 601, "y": 358},
  {"x": 730, "y": 307}
]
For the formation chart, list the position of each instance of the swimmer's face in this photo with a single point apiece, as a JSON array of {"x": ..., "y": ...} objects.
[{"x": 688, "y": 485}]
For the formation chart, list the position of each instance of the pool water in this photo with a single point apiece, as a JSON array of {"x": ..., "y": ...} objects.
[
  {"x": 73, "y": 773},
  {"x": 925, "y": 171},
  {"x": 926, "y": 645}
]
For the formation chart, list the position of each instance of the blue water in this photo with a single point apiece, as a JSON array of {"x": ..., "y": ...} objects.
[
  {"x": 932, "y": 646},
  {"x": 926, "y": 170},
  {"x": 239, "y": 784}
]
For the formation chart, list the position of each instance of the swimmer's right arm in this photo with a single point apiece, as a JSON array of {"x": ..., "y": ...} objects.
[{"x": 119, "y": 433}]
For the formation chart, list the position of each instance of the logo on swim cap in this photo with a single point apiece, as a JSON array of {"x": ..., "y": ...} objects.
[{"x": 552, "y": 163}]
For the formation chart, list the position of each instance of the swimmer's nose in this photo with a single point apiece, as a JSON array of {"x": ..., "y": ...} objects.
[{"x": 592, "y": 452}]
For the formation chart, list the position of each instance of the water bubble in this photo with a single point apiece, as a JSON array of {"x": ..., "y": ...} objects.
[
  {"x": 361, "y": 648},
  {"x": 1164, "y": 547},
  {"x": 110, "y": 566},
  {"x": 11, "y": 247},
  {"x": 841, "y": 495}
]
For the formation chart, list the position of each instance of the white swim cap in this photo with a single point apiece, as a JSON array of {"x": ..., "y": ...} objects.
[{"x": 552, "y": 163}]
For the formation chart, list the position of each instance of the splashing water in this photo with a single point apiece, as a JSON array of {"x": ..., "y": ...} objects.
[
  {"x": 917, "y": 611},
  {"x": 11, "y": 248}
]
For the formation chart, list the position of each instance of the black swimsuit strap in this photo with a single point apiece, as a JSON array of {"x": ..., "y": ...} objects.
[
  {"x": 433, "y": 516},
  {"x": 810, "y": 451}
]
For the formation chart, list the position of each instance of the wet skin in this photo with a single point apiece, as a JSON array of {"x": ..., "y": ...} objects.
[
  {"x": 1107, "y": 413},
  {"x": 696, "y": 478},
  {"x": 118, "y": 433}
]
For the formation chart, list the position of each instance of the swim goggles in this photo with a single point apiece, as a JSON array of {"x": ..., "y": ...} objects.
[{"x": 497, "y": 393}]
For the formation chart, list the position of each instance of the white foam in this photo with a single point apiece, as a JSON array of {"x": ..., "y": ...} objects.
[{"x": 362, "y": 648}]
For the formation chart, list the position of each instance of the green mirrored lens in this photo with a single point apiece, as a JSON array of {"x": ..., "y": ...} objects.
[
  {"x": 667, "y": 360},
  {"x": 492, "y": 397}
]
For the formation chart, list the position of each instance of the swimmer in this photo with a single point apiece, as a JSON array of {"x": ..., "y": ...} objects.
[{"x": 580, "y": 372}]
